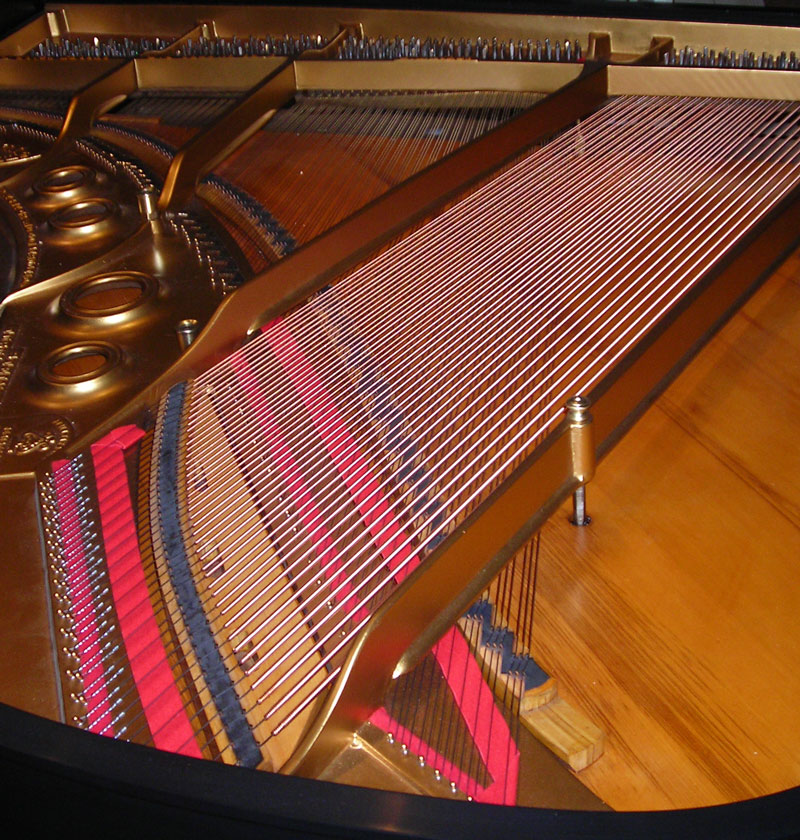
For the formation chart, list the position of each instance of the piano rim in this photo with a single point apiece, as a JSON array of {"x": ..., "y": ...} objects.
[{"x": 90, "y": 780}]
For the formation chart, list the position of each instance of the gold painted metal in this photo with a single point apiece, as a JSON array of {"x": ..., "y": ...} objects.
[
  {"x": 205, "y": 72},
  {"x": 40, "y": 75},
  {"x": 435, "y": 74},
  {"x": 67, "y": 188},
  {"x": 214, "y": 144},
  {"x": 599, "y": 48},
  {"x": 93, "y": 100},
  {"x": 79, "y": 364},
  {"x": 206, "y": 29},
  {"x": 659, "y": 47},
  {"x": 167, "y": 286},
  {"x": 50, "y": 24},
  {"x": 66, "y": 182},
  {"x": 410, "y": 621},
  {"x": 29, "y": 240},
  {"x": 398, "y": 207},
  {"x": 704, "y": 81},
  {"x": 86, "y": 216},
  {"x": 76, "y": 210},
  {"x": 111, "y": 298},
  {"x": 373, "y": 759}
]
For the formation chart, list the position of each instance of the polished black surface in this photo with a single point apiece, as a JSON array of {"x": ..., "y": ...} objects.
[{"x": 100, "y": 787}]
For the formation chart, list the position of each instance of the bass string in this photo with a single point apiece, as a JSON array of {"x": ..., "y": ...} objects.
[
  {"x": 310, "y": 351},
  {"x": 440, "y": 128},
  {"x": 392, "y": 258},
  {"x": 507, "y": 687},
  {"x": 205, "y": 449}
]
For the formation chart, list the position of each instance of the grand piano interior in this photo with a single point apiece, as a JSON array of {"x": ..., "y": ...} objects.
[{"x": 398, "y": 419}]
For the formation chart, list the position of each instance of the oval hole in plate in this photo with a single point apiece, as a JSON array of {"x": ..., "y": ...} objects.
[
  {"x": 64, "y": 179},
  {"x": 79, "y": 363},
  {"x": 82, "y": 214},
  {"x": 109, "y": 294}
]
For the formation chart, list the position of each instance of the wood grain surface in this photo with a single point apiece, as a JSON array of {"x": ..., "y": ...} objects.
[{"x": 673, "y": 620}]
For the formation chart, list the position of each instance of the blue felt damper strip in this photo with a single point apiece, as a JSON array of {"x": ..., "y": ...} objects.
[{"x": 216, "y": 674}]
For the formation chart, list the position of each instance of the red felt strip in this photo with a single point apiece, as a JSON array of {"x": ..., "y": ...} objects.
[
  {"x": 161, "y": 700},
  {"x": 295, "y": 483}
]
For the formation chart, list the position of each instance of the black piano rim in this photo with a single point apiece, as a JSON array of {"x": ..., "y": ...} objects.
[{"x": 88, "y": 783}]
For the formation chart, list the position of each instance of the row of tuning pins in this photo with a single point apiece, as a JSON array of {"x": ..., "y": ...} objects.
[
  {"x": 269, "y": 45},
  {"x": 353, "y": 48},
  {"x": 83, "y": 599},
  {"x": 748, "y": 60},
  {"x": 484, "y": 49},
  {"x": 94, "y": 47},
  {"x": 207, "y": 251}
]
